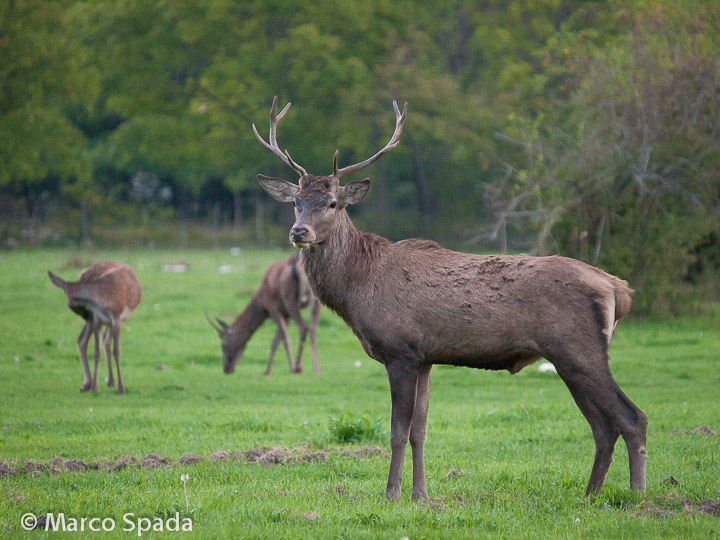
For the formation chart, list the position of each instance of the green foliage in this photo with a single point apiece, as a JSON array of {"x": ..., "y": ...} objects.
[
  {"x": 352, "y": 428},
  {"x": 579, "y": 128}
]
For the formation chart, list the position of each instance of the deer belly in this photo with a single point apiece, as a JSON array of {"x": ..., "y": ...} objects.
[{"x": 512, "y": 361}]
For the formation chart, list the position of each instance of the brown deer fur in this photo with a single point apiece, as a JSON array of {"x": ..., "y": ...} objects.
[
  {"x": 106, "y": 294},
  {"x": 413, "y": 304},
  {"x": 283, "y": 293}
]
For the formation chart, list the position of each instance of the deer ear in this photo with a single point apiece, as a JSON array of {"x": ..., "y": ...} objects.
[
  {"x": 280, "y": 190},
  {"x": 355, "y": 192}
]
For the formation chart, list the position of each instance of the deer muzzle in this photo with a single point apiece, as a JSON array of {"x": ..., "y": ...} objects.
[{"x": 301, "y": 236}]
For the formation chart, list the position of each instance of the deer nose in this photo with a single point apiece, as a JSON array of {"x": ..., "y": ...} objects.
[{"x": 298, "y": 233}]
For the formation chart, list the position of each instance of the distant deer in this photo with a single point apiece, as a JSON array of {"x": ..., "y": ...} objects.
[
  {"x": 414, "y": 304},
  {"x": 106, "y": 294},
  {"x": 283, "y": 293}
]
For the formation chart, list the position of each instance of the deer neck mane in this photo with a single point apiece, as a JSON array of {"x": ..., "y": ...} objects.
[
  {"x": 248, "y": 321},
  {"x": 343, "y": 262}
]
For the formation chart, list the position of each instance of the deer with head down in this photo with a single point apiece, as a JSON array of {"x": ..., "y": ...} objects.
[
  {"x": 283, "y": 293},
  {"x": 106, "y": 294},
  {"x": 413, "y": 304}
]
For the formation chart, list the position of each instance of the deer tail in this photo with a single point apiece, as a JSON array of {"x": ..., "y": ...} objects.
[
  {"x": 623, "y": 299},
  {"x": 57, "y": 281}
]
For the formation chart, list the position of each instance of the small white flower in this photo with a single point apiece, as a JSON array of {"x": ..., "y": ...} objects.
[
  {"x": 90, "y": 409},
  {"x": 185, "y": 477},
  {"x": 358, "y": 364}
]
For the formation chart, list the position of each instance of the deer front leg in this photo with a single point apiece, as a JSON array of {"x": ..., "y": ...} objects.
[
  {"x": 403, "y": 377},
  {"x": 418, "y": 432},
  {"x": 273, "y": 349},
  {"x": 116, "y": 351},
  {"x": 96, "y": 335},
  {"x": 302, "y": 327},
  {"x": 314, "y": 321},
  {"x": 107, "y": 341},
  {"x": 83, "y": 340}
]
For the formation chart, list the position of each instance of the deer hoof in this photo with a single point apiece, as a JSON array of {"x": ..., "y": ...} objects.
[
  {"x": 121, "y": 390},
  {"x": 111, "y": 384},
  {"x": 85, "y": 387}
]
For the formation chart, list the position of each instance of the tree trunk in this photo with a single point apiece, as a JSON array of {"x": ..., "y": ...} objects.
[
  {"x": 260, "y": 220},
  {"x": 424, "y": 196},
  {"x": 599, "y": 237},
  {"x": 182, "y": 225},
  {"x": 237, "y": 214},
  {"x": 216, "y": 222},
  {"x": 503, "y": 237},
  {"x": 84, "y": 223}
]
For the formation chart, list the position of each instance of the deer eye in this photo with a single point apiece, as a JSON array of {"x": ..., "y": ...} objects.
[{"x": 333, "y": 204}]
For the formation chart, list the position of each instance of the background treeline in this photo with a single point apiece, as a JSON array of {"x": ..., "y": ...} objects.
[{"x": 590, "y": 129}]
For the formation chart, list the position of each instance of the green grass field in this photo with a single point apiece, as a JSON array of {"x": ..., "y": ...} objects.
[{"x": 506, "y": 456}]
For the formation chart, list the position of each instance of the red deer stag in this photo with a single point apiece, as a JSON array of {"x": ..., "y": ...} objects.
[
  {"x": 413, "y": 304},
  {"x": 106, "y": 294},
  {"x": 283, "y": 293}
]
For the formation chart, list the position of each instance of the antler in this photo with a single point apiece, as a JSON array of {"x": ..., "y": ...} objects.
[
  {"x": 273, "y": 146},
  {"x": 218, "y": 324},
  {"x": 392, "y": 143}
]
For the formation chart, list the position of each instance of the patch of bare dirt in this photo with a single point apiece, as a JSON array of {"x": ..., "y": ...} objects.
[
  {"x": 277, "y": 455},
  {"x": 708, "y": 507},
  {"x": 153, "y": 461},
  {"x": 190, "y": 459},
  {"x": 7, "y": 470},
  {"x": 363, "y": 452},
  {"x": 118, "y": 465},
  {"x": 453, "y": 473},
  {"x": 264, "y": 455},
  {"x": 702, "y": 430}
]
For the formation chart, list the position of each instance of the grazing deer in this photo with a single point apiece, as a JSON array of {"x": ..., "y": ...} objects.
[
  {"x": 106, "y": 294},
  {"x": 413, "y": 304},
  {"x": 283, "y": 293}
]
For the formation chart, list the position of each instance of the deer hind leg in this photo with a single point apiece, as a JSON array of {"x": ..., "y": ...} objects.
[
  {"x": 273, "y": 349},
  {"x": 96, "y": 335},
  {"x": 107, "y": 341},
  {"x": 403, "y": 391},
  {"x": 610, "y": 413},
  {"x": 116, "y": 331},
  {"x": 283, "y": 329},
  {"x": 605, "y": 435},
  {"x": 418, "y": 432},
  {"x": 314, "y": 321},
  {"x": 302, "y": 327},
  {"x": 83, "y": 340}
]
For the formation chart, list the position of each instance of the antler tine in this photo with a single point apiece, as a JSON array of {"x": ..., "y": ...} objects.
[
  {"x": 215, "y": 324},
  {"x": 392, "y": 143},
  {"x": 273, "y": 145}
]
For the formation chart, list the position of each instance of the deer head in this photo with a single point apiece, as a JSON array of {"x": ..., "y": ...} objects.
[
  {"x": 319, "y": 200},
  {"x": 233, "y": 345}
]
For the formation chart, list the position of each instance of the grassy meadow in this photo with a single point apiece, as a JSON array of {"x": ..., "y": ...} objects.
[{"x": 506, "y": 456}]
